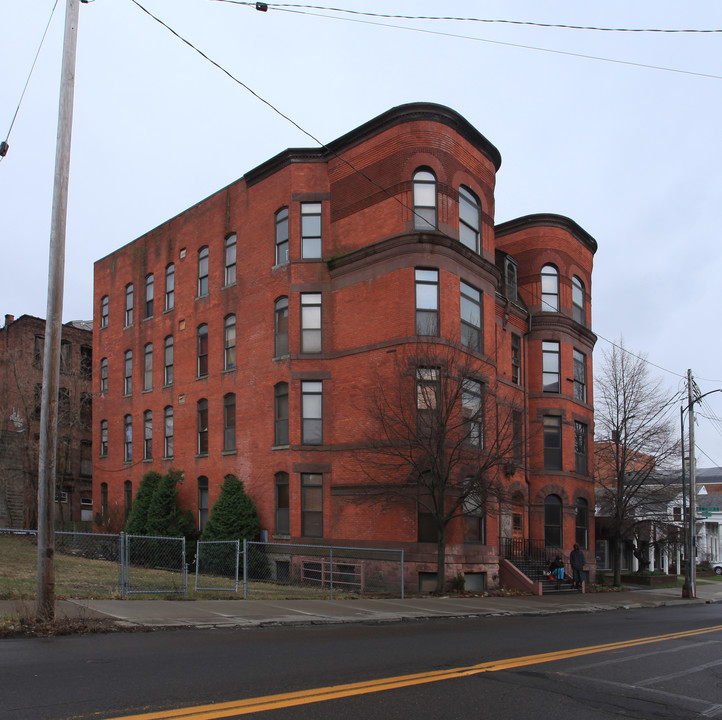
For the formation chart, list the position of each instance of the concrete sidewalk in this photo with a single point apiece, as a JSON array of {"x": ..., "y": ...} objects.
[{"x": 260, "y": 613}]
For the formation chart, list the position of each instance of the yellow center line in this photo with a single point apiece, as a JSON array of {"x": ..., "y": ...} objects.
[{"x": 333, "y": 692}]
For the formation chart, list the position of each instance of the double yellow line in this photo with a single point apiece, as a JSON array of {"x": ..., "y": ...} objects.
[{"x": 334, "y": 692}]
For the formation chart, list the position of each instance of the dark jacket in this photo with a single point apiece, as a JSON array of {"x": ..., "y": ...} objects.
[{"x": 576, "y": 560}]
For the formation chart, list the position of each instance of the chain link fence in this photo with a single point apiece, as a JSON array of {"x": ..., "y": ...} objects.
[{"x": 106, "y": 566}]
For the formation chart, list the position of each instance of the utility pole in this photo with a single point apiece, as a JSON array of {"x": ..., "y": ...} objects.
[
  {"x": 692, "y": 560},
  {"x": 47, "y": 451}
]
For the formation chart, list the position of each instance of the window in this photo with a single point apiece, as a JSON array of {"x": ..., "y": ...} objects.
[
  {"x": 311, "y": 230},
  {"x": 474, "y": 517},
  {"x": 202, "y": 350},
  {"x": 103, "y": 438},
  {"x": 128, "y": 438},
  {"x": 471, "y": 335},
  {"x": 553, "y": 521},
  {"x": 469, "y": 219},
  {"x": 168, "y": 432},
  {"x": 202, "y": 501},
  {"x": 283, "y": 503},
  {"x": 148, "y": 367},
  {"x": 282, "y": 236},
  {"x": 86, "y": 362},
  {"x": 582, "y": 524},
  {"x": 311, "y": 505},
  {"x": 578, "y": 300},
  {"x": 424, "y": 200},
  {"x": 104, "y": 375},
  {"x": 202, "y": 412},
  {"x": 427, "y": 302},
  {"x": 311, "y": 322},
  {"x": 104, "y": 307},
  {"x": 66, "y": 361},
  {"x": 86, "y": 458},
  {"x": 170, "y": 287},
  {"x": 281, "y": 327},
  {"x": 38, "y": 351},
  {"x": 86, "y": 409},
  {"x": 516, "y": 359},
  {"x": 427, "y": 528},
  {"x": 168, "y": 361},
  {"x": 230, "y": 260},
  {"x": 128, "y": 305},
  {"x": 471, "y": 411},
  {"x": 552, "y": 442},
  {"x": 149, "y": 296},
  {"x": 580, "y": 448},
  {"x": 281, "y": 414},
  {"x": 229, "y": 422},
  {"x": 511, "y": 279},
  {"x": 127, "y": 497},
  {"x": 229, "y": 342},
  {"x": 550, "y": 366},
  {"x": 64, "y": 406},
  {"x": 128, "y": 373},
  {"x": 203, "y": 271},
  {"x": 104, "y": 500},
  {"x": 147, "y": 435},
  {"x": 312, "y": 412},
  {"x": 427, "y": 396},
  {"x": 550, "y": 289},
  {"x": 580, "y": 376}
]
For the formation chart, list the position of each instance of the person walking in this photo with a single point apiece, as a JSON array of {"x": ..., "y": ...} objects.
[{"x": 576, "y": 560}]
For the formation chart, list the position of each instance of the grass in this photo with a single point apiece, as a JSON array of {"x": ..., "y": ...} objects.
[{"x": 80, "y": 577}]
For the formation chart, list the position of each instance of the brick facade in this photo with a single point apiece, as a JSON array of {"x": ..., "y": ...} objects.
[
  {"x": 364, "y": 279},
  {"x": 21, "y": 376}
]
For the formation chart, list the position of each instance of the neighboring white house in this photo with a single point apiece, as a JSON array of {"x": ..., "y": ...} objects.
[{"x": 709, "y": 526}]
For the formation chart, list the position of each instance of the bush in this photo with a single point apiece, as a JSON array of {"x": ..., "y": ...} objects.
[{"x": 234, "y": 515}]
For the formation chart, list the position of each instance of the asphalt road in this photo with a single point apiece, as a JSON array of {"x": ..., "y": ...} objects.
[{"x": 464, "y": 668}]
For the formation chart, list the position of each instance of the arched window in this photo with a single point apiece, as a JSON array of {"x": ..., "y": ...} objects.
[
  {"x": 281, "y": 414},
  {"x": 128, "y": 438},
  {"x": 202, "y": 412},
  {"x": 281, "y": 327},
  {"x": 553, "y": 521},
  {"x": 549, "y": 289},
  {"x": 147, "y": 435},
  {"x": 230, "y": 260},
  {"x": 128, "y": 304},
  {"x": 202, "y": 350},
  {"x": 229, "y": 342},
  {"x": 202, "y": 501},
  {"x": 282, "y": 236},
  {"x": 229, "y": 422},
  {"x": 424, "y": 200},
  {"x": 203, "y": 271},
  {"x": 469, "y": 219},
  {"x": 104, "y": 306},
  {"x": 168, "y": 432},
  {"x": 283, "y": 503},
  {"x": 578, "y": 312},
  {"x": 170, "y": 287},
  {"x": 582, "y": 530},
  {"x": 149, "y": 291}
]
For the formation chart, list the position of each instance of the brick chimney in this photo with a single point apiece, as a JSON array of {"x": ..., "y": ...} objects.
[{"x": 9, "y": 319}]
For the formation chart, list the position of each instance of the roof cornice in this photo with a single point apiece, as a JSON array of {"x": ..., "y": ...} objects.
[{"x": 547, "y": 220}]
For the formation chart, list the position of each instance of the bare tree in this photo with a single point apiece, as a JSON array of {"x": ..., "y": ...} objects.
[
  {"x": 436, "y": 436},
  {"x": 636, "y": 448}
]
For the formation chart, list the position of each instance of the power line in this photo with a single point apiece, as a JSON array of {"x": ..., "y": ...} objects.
[
  {"x": 4, "y": 145},
  {"x": 281, "y": 6},
  {"x": 584, "y": 56}
]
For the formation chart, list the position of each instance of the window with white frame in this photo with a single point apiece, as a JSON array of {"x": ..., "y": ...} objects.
[
  {"x": 129, "y": 305},
  {"x": 312, "y": 412},
  {"x": 469, "y": 219},
  {"x": 550, "y": 366},
  {"x": 311, "y": 247},
  {"x": 424, "y": 196},
  {"x": 311, "y": 322},
  {"x": 550, "y": 289},
  {"x": 427, "y": 301}
]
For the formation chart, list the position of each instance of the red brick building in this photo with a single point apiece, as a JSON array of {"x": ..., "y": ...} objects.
[
  {"x": 21, "y": 378},
  {"x": 244, "y": 336}
]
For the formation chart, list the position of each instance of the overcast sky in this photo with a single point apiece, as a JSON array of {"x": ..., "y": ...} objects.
[{"x": 631, "y": 153}]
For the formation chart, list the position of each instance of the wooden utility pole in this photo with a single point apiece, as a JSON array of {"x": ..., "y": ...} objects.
[{"x": 47, "y": 451}]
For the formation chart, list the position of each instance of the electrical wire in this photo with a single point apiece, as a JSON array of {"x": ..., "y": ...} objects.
[
  {"x": 280, "y": 6},
  {"x": 584, "y": 56},
  {"x": 27, "y": 82}
]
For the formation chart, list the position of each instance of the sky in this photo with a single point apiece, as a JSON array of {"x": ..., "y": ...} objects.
[{"x": 619, "y": 131}]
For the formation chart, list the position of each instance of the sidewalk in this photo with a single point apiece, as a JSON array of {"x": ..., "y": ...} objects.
[{"x": 260, "y": 613}]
